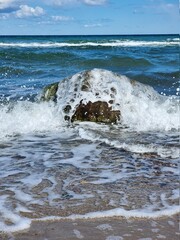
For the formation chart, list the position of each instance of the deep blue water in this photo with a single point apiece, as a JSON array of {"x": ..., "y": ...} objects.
[{"x": 27, "y": 63}]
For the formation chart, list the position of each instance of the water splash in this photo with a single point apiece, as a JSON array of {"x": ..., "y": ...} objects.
[{"x": 141, "y": 107}]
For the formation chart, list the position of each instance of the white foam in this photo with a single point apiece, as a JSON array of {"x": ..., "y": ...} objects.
[
  {"x": 114, "y": 238},
  {"x": 34, "y": 157},
  {"x": 80, "y": 153},
  {"x": 171, "y": 223},
  {"x": 105, "y": 226},
  {"x": 120, "y": 143},
  {"x": 19, "y": 225},
  {"x": 106, "y": 176},
  {"x": 119, "y": 212},
  {"x": 141, "y": 107},
  {"x": 115, "y": 43},
  {"x": 18, "y": 222},
  {"x": 78, "y": 234},
  {"x": 27, "y": 117},
  {"x": 20, "y": 195},
  {"x": 144, "y": 238},
  {"x": 171, "y": 169}
]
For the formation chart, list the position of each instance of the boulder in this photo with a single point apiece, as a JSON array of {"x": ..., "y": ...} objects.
[
  {"x": 86, "y": 96},
  {"x": 96, "y": 112}
]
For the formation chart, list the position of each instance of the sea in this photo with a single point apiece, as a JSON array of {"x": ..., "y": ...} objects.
[{"x": 53, "y": 169}]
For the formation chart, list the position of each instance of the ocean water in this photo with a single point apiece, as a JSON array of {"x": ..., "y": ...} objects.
[{"x": 53, "y": 169}]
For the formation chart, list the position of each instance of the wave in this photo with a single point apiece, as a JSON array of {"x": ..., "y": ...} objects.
[
  {"x": 30, "y": 56},
  {"x": 173, "y": 39},
  {"x": 115, "y": 43},
  {"x": 129, "y": 61},
  {"x": 114, "y": 62},
  {"x": 141, "y": 107},
  {"x": 40, "y": 152},
  {"x": 11, "y": 71},
  {"x": 24, "y": 117}
]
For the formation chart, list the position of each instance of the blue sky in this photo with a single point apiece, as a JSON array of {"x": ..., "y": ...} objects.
[{"x": 69, "y": 17}]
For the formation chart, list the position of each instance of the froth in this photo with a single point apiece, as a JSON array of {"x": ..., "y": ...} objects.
[
  {"x": 18, "y": 223},
  {"x": 71, "y": 175},
  {"x": 119, "y": 212},
  {"x": 115, "y": 43},
  {"x": 130, "y": 141},
  {"x": 27, "y": 117},
  {"x": 141, "y": 107}
]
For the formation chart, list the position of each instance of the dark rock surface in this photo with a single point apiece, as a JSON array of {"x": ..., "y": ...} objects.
[
  {"x": 96, "y": 112},
  {"x": 49, "y": 92},
  {"x": 85, "y": 97}
]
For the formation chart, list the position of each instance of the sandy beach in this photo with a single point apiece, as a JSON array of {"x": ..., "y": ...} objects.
[{"x": 102, "y": 229}]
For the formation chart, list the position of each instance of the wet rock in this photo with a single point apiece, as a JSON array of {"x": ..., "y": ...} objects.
[
  {"x": 96, "y": 112},
  {"x": 49, "y": 92},
  {"x": 86, "y": 96}
]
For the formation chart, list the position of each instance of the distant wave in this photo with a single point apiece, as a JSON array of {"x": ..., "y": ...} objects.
[
  {"x": 116, "y": 43},
  {"x": 174, "y": 39}
]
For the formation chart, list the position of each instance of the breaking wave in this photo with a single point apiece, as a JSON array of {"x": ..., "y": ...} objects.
[
  {"x": 47, "y": 161},
  {"x": 112, "y": 43},
  {"x": 141, "y": 107}
]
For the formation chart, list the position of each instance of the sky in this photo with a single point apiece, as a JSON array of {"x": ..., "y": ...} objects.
[{"x": 86, "y": 17}]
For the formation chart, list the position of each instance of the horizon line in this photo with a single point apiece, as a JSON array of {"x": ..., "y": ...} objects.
[{"x": 64, "y": 35}]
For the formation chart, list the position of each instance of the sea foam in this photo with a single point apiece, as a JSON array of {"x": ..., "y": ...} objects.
[
  {"x": 132, "y": 166},
  {"x": 112, "y": 43},
  {"x": 28, "y": 117},
  {"x": 141, "y": 107}
]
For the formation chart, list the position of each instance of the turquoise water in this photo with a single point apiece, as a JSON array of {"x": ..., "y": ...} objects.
[{"x": 51, "y": 168}]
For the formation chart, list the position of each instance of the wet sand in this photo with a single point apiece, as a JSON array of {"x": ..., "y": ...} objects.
[{"x": 101, "y": 229}]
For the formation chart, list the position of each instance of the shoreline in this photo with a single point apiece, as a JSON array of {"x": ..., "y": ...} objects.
[{"x": 115, "y": 228}]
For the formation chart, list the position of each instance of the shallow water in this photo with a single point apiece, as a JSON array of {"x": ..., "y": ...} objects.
[
  {"x": 52, "y": 169},
  {"x": 62, "y": 174}
]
